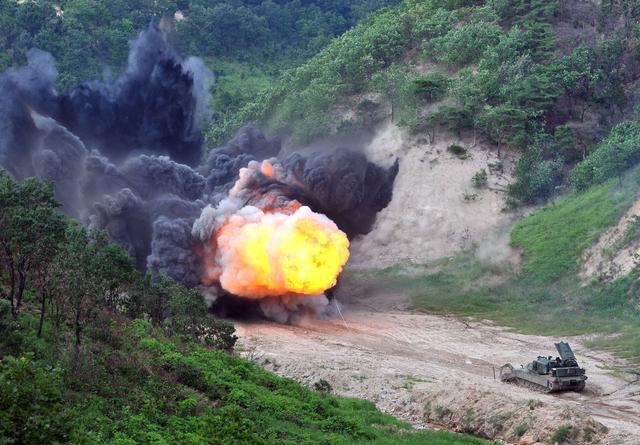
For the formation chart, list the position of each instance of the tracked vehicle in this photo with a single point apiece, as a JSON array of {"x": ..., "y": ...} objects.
[{"x": 548, "y": 374}]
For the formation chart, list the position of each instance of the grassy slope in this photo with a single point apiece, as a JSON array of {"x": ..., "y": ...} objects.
[
  {"x": 547, "y": 297},
  {"x": 132, "y": 385}
]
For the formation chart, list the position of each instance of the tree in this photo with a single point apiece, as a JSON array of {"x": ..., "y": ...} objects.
[
  {"x": 578, "y": 77},
  {"x": 503, "y": 124},
  {"x": 390, "y": 83},
  {"x": 465, "y": 44},
  {"x": 79, "y": 288},
  {"x": 432, "y": 86},
  {"x": 31, "y": 232},
  {"x": 114, "y": 271}
]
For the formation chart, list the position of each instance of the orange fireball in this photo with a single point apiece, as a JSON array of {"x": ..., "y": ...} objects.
[{"x": 271, "y": 254}]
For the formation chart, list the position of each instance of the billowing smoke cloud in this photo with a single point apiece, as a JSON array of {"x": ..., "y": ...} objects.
[{"x": 125, "y": 156}]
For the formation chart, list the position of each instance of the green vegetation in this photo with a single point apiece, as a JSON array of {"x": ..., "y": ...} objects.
[
  {"x": 615, "y": 154},
  {"x": 562, "y": 434},
  {"x": 479, "y": 178},
  {"x": 458, "y": 150},
  {"x": 499, "y": 69},
  {"x": 245, "y": 42},
  {"x": 553, "y": 237},
  {"x": 520, "y": 429},
  {"x": 92, "y": 352}
]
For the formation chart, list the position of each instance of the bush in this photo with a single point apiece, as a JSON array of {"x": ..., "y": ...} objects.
[
  {"x": 10, "y": 339},
  {"x": 428, "y": 26},
  {"x": 323, "y": 387},
  {"x": 619, "y": 151},
  {"x": 521, "y": 429},
  {"x": 31, "y": 403},
  {"x": 441, "y": 411},
  {"x": 187, "y": 314},
  {"x": 185, "y": 371},
  {"x": 538, "y": 181},
  {"x": 458, "y": 150},
  {"x": 562, "y": 434},
  {"x": 207, "y": 329},
  {"x": 480, "y": 178}
]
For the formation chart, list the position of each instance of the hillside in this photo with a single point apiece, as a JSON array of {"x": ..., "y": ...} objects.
[
  {"x": 490, "y": 107},
  {"x": 539, "y": 95},
  {"x": 488, "y": 206},
  {"x": 545, "y": 79},
  {"x": 246, "y": 43}
]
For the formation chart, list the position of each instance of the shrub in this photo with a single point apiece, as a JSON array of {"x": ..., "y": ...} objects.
[
  {"x": 480, "y": 178},
  {"x": 323, "y": 387},
  {"x": 562, "y": 434},
  {"x": 587, "y": 433},
  {"x": 185, "y": 371},
  {"x": 441, "y": 411},
  {"x": 458, "y": 150},
  {"x": 619, "y": 151},
  {"x": 11, "y": 341},
  {"x": 469, "y": 197},
  {"x": 536, "y": 181},
  {"x": 534, "y": 403},
  {"x": 520, "y": 429},
  {"x": 433, "y": 25},
  {"x": 31, "y": 403}
]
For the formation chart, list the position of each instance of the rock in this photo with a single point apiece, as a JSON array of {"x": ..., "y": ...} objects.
[{"x": 526, "y": 440}]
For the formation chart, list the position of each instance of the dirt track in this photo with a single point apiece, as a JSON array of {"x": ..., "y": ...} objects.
[{"x": 435, "y": 370}]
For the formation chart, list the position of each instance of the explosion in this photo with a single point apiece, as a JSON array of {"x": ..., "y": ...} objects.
[
  {"x": 273, "y": 254},
  {"x": 124, "y": 155}
]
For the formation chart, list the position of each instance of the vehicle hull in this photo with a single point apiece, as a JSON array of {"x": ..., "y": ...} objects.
[{"x": 545, "y": 383}]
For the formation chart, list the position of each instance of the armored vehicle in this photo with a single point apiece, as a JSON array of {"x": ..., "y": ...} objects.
[{"x": 548, "y": 374}]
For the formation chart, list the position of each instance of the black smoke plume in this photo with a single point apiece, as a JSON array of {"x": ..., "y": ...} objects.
[{"x": 125, "y": 155}]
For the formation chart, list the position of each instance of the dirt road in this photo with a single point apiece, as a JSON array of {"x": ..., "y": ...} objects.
[{"x": 436, "y": 370}]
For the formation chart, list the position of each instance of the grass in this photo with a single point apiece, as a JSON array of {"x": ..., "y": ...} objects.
[
  {"x": 553, "y": 238},
  {"x": 547, "y": 297},
  {"x": 562, "y": 434}
]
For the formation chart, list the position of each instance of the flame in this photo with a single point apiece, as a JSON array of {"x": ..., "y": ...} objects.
[{"x": 295, "y": 251}]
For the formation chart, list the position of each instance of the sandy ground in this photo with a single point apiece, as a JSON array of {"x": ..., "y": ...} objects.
[{"x": 439, "y": 371}]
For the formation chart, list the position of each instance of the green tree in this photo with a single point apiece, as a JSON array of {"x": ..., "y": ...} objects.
[
  {"x": 503, "y": 124},
  {"x": 390, "y": 83},
  {"x": 431, "y": 86},
  {"x": 464, "y": 44},
  {"x": 31, "y": 231},
  {"x": 79, "y": 288},
  {"x": 578, "y": 77}
]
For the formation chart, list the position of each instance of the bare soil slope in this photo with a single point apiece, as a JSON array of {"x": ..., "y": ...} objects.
[
  {"x": 436, "y": 211},
  {"x": 613, "y": 256},
  {"x": 439, "y": 371}
]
